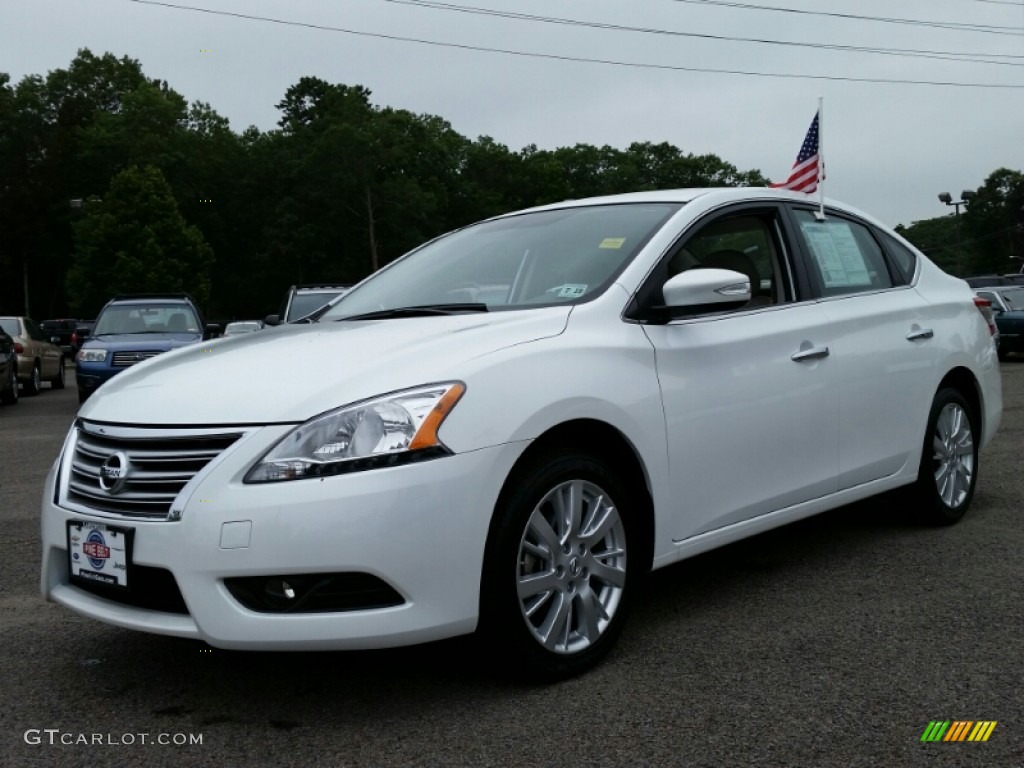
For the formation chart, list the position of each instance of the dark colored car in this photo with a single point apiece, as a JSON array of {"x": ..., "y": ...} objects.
[
  {"x": 990, "y": 281},
  {"x": 59, "y": 332},
  {"x": 301, "y": 301},
  {"x": 82, "y": 332},
  {"x": 8, "y": 370},
  {"x": 133, "y": 328},
  {"x": 1008, "y": 308}
]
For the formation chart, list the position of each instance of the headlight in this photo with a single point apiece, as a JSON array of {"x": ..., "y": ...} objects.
[
  {"x": 92, "y": 355},
  {"x": 388, "y": 430}
]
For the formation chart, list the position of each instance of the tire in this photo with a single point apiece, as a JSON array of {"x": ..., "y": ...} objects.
[
  {"x": 34, "y": 383},
  {"x": 1002, "y": 355},
  {"x": 82, "y": 396},
  {"x": 563, "y": 522},
  {"x": 58, "y": 381},
  {"x": 10, "y": 395},
  {"x": 949, "y": 461}
]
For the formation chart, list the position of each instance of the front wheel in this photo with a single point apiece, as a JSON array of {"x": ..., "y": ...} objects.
[
  {"x": 949, "y": 463},
  {"x": 558, "y": 570}
]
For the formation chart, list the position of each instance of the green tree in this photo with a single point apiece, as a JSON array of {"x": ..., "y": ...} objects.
[
  {"x": 136, "y": 241},
  {"x": 994, "y": 223}
]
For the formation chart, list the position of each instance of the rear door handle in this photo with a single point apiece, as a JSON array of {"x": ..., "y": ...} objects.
[
  {"x": 812, "y": 353},
  {"x": 919, "y": 334}
]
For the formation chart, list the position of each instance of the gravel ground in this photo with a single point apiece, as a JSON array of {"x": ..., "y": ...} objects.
[{"x": 831, "y": 642}]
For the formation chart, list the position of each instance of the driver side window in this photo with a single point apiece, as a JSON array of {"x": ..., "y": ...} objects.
[{"x": 743, "y": 243}]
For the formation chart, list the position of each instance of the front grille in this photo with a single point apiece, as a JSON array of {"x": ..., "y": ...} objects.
[
  {"x": 152, "y": 588},
  {"x": 158, "y": 467},
  {"x": 124, "y": 359}
]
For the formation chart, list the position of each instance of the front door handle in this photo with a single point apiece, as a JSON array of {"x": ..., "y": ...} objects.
[
  {"x": 812, "y": 353},
  {"x": 919, "y": 334}
]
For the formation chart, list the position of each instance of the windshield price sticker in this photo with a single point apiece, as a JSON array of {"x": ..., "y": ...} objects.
[{"x": 99, "y": 553}]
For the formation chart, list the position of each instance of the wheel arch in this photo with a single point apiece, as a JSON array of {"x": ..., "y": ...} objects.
[
  {"x": 964, "y": 381},
  {"x": 609, "y": 443}
]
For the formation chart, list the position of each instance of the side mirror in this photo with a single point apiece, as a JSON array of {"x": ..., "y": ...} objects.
[
  {"x": 272, "y": 320},
  {"x": 211, "y": 331},
  {"x": 706, "y": 289}
]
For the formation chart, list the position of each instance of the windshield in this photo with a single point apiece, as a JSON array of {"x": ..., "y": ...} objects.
[
  {"x": 1014, "y": 298},
  {"x": 532, "y": 259},
  {"x": 146, "y": 318},
  {"x": 306, "y": 303},
  {"x": 10, "y": 326}
]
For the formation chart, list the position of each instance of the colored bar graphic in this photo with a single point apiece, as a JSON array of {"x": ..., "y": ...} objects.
[
  {"x": 958, "y": 730},
  {"x": 935, "y": 730}
]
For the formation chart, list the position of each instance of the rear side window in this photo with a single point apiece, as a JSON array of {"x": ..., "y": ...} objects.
[
  {"x": 904, "y": 258},
  {"x": 845, "y": 256}
]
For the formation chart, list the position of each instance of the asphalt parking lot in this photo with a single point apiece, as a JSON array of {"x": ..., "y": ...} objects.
[{"x": 832, "y": 642}]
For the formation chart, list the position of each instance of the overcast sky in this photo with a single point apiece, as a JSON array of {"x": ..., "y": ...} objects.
[{"x": 890, "y": 148}]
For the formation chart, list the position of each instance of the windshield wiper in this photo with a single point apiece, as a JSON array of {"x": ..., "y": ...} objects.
[{"x": 424, "y": 310}]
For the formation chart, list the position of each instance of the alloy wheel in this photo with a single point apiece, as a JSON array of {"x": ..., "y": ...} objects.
[
  {"x": 571, "y": 567},
  {"x": 953, "y": 444}
]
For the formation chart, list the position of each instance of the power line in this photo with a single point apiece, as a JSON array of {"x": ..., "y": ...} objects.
[
  {"x": 580, "y": 59},
  {"x": 960, "y": 26},
  {"x": 962, "y": 56}
]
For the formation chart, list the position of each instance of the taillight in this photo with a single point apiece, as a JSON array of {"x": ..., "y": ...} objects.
[
  {"x": 74, "y": 339},
  {"x": 19, "y": 348},
  {"x": 985, "y": 307}
]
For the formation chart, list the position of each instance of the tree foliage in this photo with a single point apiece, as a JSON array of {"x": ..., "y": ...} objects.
[
  {"x": 986, "y": 238},
  {"x": 135, "y": 240}
]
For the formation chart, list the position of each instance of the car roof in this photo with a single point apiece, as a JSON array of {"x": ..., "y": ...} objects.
[{"x": 712, "y": 195}]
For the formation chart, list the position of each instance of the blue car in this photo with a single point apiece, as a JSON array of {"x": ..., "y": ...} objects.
[
  {"x": 1008, "y": 308},
  {"x": 133, "y": 328}
]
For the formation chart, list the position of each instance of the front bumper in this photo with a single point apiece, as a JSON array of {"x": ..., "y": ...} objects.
[
  {"x": 421, "y": 528},
  {"x": 89, "y": 376}
]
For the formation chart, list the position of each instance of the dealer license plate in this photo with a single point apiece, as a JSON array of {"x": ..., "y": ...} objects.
[{"x": 99, "y": 553}]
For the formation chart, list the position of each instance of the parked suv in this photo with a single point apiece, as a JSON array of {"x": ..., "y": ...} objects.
[
  {"x": 133, "y": 328},
  {"x": 303, "y": 300}
]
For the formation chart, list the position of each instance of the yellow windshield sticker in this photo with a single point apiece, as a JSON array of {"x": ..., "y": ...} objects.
[{"x": 612, "y": 242}]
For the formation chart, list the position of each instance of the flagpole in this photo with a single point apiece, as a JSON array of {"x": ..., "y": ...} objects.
[{"x": 821, "y": 158}]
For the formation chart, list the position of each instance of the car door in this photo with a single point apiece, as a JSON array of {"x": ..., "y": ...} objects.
[
  {"x": 883, "y": 345},
  {"x": 749, "y": 396},
  {"x": 48, "y": 354}
]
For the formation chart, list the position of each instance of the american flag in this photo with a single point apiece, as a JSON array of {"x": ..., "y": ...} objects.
[{"x": 804, "y": 176}]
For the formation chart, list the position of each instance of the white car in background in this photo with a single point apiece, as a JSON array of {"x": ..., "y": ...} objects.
[{"x": 503, "y": 429}]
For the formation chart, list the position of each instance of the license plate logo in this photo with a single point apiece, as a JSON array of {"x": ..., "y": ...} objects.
[{"x": 96, "y": 549}]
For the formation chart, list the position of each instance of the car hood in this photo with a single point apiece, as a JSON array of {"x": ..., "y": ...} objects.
[
  {"x": 291, "y": 373},
  {"x": 142, "y": 342}
]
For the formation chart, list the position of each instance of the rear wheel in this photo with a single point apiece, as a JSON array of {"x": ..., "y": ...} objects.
[
  {"x": 949, "y": 462},
  {"x": 58, "y": 381},
  {"x": 558, "y": 573},
  {"x": 34, "y": 383}
]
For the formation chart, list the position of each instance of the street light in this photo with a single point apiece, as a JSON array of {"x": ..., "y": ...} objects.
[{"x": 965, "y": 197}]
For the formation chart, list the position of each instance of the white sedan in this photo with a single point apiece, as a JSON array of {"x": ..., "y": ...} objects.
[{"x": 500, "y": 431}]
